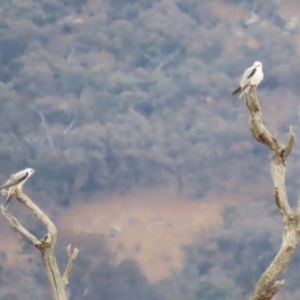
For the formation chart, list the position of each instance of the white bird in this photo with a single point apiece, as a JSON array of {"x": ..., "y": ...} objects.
[
  {"x": 16, "y": 181},
  {"x": 252, "y": 77}
]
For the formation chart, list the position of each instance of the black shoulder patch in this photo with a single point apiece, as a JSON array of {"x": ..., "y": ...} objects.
[
  {"x": 23, "y": 177},
  {"x": 252, "y": 73}
]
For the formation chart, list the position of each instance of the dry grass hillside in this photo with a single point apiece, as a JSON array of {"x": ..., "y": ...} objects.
[{"x": 148, "y": 226}]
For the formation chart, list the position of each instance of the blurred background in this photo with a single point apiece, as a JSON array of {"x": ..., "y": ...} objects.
[{"x": 143, "y": 159}]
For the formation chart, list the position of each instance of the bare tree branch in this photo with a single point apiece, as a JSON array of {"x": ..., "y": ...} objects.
[
  {"x": 48, "y": 134},
  {"x": 290, "y": 144},
  {"x": 52, "y": 231},
  {"x": 267, "y": 286},
  {"x": 163, "y": 59},
  {"x": 298, "y": 214},
  {"x": 66, "y": 131},
  {"x": 72, "y": 256},
  {"x": 17, "y": 225},
  {"x": 46, "y": 246}
]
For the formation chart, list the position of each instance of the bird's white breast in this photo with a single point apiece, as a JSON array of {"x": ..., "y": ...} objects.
[{"x": 257, "y": 77}]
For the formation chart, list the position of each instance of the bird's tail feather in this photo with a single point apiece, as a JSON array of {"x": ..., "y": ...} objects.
[
  {"x": 244, "y": 90},
  {"x": 240, "y": 91},
  {"x": 6, "y": 185},
  {"x": 3, "y": 186},
  {"x": 236, "y": 91}
]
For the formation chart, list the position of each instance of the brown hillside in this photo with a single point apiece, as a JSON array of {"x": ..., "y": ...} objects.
[{"x": 148, "y": 226}]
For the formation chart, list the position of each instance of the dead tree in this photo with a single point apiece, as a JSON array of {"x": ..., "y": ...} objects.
[
  {"x": 46, "y": 246},
  {"x": 268, "y": 284}
]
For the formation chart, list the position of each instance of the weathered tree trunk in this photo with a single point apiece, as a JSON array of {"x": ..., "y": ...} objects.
[
  {"x": 267, "y": 286},
  {"x": 46, "y": 246}
]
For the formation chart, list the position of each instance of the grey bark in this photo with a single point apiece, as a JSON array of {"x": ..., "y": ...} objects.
[
  {"x": 268, "y": 285},
  {"x": 46, "y": 246}
]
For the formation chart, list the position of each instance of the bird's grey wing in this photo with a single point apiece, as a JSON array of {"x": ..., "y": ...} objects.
[
  {"x": 8, "y": 183},
  {"x": 247, "y": 75},
  {"x": 14, "y": 179}
]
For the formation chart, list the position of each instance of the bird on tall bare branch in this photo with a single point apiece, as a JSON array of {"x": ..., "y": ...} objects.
[
  {"x": 252, "y": 77},
  {"x": 16, "y": 182}
]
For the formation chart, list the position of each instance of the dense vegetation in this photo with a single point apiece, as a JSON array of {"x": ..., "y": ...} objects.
[
  {"x": 109, "y": 95},
  {"x": 106, "y": 96}
]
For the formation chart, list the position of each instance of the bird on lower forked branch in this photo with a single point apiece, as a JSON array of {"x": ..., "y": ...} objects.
[
  {"x": 16, "y": 182},
  {"x": 252, "y": 77}
]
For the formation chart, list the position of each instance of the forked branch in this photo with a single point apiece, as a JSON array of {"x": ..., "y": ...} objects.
[
  {"x": 72, "y": 256},
  {"x": 268, "y": 285},
  {"x": 46, "y": 246}
]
